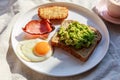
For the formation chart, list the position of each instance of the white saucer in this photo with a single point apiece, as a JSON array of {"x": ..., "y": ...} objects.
[{"x": 103, "y": 12}]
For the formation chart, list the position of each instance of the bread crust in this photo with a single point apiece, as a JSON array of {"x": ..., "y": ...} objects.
[
  {"x": 81, "y": 54},
  {"x": 53, "y": 12}
]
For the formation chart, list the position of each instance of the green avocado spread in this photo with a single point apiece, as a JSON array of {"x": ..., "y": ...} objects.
[{"x": 76, "y": 35}]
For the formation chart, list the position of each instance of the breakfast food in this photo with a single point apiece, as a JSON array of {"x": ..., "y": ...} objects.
[
  {"x": 34, "y": 50},
  {"x": 78, "y": 39},
  {"x": 53, "y": 12},
  {"x": 37, "y": 29}
]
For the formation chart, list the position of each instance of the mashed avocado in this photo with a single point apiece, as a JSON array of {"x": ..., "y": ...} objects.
[{"x": 77, "y": 35}]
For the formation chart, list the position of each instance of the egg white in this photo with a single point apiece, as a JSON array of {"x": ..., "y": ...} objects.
[{"x": 25, "y": 50}]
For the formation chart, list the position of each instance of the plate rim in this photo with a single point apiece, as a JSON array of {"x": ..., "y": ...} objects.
[{"x": 77, "y": 6}]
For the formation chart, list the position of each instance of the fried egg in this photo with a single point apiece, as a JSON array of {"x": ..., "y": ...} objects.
[{"x": 34, "y": 50}]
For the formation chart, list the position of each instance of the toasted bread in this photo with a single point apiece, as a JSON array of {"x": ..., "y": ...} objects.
[
  {"x": 53, "y": 12},
  {"x": 82, "y": 54}
]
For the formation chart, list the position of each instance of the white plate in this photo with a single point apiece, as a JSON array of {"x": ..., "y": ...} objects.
[
  {"x": 62, "y": 63},
  {"x": 103, "y": 12}
]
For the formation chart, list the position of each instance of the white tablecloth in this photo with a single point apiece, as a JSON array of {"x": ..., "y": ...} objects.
[{"x": 12, "y": 69}]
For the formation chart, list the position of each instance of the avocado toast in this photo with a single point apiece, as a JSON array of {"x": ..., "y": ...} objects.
[{"x": 78, "y": 42}]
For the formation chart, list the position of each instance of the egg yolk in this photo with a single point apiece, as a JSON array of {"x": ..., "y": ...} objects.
[{"x": 41, "y": 48}]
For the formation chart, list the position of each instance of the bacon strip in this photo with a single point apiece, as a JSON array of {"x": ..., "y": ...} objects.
[{"x": 38, "y": 29}]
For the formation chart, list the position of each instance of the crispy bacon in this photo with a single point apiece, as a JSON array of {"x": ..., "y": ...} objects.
[{"x": 38, "y": 28}]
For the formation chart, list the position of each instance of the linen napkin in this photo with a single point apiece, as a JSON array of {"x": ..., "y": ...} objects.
[{"x": 12, "y": 69}]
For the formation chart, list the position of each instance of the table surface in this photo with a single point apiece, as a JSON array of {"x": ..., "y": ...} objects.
[{"x": 107, "y": 69}]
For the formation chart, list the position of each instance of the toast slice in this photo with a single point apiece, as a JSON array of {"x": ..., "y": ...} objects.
[
  {"x": 53, "y": 12},
  {"x": 82, "y": 54}
]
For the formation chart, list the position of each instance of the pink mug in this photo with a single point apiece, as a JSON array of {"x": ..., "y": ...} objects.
[{"x": 113, "y": 7}]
